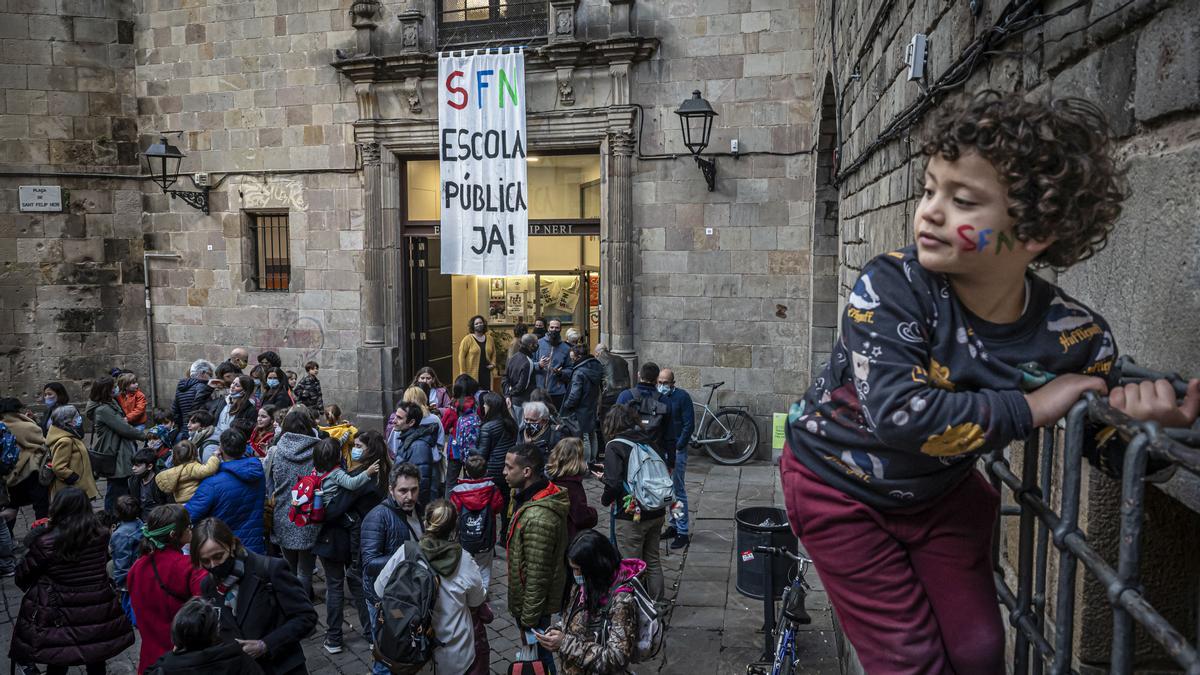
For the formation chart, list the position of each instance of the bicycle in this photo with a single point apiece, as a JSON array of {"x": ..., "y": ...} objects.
[
  {"x": 785, "y": 656},
  {"x": 729, "y": 435}
]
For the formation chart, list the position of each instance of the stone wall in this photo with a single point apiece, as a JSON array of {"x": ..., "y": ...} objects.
[
  {"x": 723, "y": 289},
  {"x": 251, "y": 89},
  {"x": 70, "y": 282},
  {"x": 1140, "y": 62}
]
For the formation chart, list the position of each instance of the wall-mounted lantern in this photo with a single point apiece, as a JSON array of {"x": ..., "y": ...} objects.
[
  {"x": 696, "y": 120},
  {"x": 162, "y": 163}
]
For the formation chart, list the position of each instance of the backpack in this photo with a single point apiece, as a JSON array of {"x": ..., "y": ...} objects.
[
  {"x": 652, "y": 411},
  {"x": 404, "y": 639},
  {"x": 477, "y": 529},
  {"x": 646, "y": 477},
  {"x": 9, "y": 450},
  {"x": 308, "y": 504},
  {"x": 649, "y": 623},
  {"x": 466, "y": 434}
]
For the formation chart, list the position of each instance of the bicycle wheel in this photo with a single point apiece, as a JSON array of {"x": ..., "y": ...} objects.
[
  {"x": 785, "y": 650},
  {"x": 732, "y": 437}
]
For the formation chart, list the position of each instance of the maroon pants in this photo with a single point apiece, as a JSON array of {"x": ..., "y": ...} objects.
[{"x": 914, "y": 591}]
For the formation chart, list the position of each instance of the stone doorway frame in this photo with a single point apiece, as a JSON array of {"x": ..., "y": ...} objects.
[{"x": 826, "y": 235}]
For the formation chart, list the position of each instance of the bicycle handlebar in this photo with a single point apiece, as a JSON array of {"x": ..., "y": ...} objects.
[{"x": 778, "y": 552}]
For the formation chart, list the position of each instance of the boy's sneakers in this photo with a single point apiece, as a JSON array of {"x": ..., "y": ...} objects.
[
  {"x": 669, "y": 533},
  {"x": 681, "y": 541},
  {"x": 333, "y": 647}
]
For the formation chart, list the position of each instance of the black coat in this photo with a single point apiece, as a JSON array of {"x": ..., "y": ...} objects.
[
  {"x": 273, "y": 607},
  {"x": 190, "y": 395},
  {"x": 69, "y": 614},
  {"x": 583, "y": 397},
  {"x": 494, "y": 444},
  {"x": 344, "y": 519},
  {"x": 518, "y": 377},
  {"x": 384, "y": 530},
  {"x": 226, "y": 658}
]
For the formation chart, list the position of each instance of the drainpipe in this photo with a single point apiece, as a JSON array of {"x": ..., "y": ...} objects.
[{"x": 146, "y": 257}]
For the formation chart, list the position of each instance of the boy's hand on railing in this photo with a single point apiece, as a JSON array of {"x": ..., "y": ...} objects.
[
  {"x": 1055, "y": 398},
  {"x": 1154, "y": 401}
]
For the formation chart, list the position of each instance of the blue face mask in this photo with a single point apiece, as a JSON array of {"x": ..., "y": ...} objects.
[
  {"x": 235, "y": 394},
  {"x": 272, "y": 382},
  {"x": 579, "y": 580},
  {"x": 356, "y": 454},
  {"x": 79, "y": 420},
  {"x": 50, "y": 400},
  {"x": 116, "y": 391},
  {"x": 665, "y": 390}
]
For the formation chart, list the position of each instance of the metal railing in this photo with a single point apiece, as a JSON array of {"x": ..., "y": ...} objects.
[
  {"x": 479, "y": 22},
  {"x": 1039, "y": 526}
]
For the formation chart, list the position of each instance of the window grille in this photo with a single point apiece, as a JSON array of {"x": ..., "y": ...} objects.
[
  {"x": 469, "y": 22},
  {"x": 271, "y": 252}
]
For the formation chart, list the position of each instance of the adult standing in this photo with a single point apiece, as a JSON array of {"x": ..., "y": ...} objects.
[
  {"x": 520, "y": 330},
  {"x": 583, "y": 398},
  {"x": 652, "y": 409},
  {"x": 637, "y": 532},
  {"x": 278, "y": 393},
  {"x": 114, "y": 440},
  {"x": 162, "y": 579},
  {"x": 69, "y": 460},
  {"x": 412, "y": 443},
  {"x": 616, "y": 380},
  {"x": 679, "y": 435},
  {"x": 497, "y": 435},
  {"x": 21, "y": 486},
  {"x": 238, "y": 405},
  {"x": 53, "y": 395},
  {"x": 552, "y": 364},
  {"x": 518, "y": 374},
  {"x": 396, "y": 520},
  {"x": 460, "y": 589},
  {"x": 69, "y": 615},
  {"x": 235, "y": 493},
  {"x": 477, "y": 352},
  {"x": 537, "y": 544},
  {"x": 435, "y": 391},
  {"x": 192, "y": 392},
  {"x": 290, "y": 460},
  {"x": 266, "y": 608}
]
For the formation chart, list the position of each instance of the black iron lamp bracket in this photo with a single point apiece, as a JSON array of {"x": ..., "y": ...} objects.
[
  {"x": 193, "y": 198},
  {"x": 708, "y": 167}
]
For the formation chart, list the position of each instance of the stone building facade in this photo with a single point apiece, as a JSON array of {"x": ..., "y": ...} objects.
[{"x": 1140, "y": 61}]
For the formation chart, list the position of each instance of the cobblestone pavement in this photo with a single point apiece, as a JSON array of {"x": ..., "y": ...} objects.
[{"x": 712, "y": 627}]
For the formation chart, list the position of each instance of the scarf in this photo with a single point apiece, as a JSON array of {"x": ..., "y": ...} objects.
[{"x": 443, "y": 555}]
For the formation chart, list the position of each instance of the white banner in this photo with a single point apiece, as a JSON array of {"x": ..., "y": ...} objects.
[{"x": 481, "y": 144}]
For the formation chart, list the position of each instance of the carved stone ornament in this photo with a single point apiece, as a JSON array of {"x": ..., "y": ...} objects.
[
  {"x": 408, "y": 37},
  {"x": 371, "y": 152},
  {"x": 564, "y": 22},
  {"x": 410, "y": 30},
  {"x": 413, "y": 91},
  {"x": 368, "y": 103},
  {"x": 566, "y": 91}
]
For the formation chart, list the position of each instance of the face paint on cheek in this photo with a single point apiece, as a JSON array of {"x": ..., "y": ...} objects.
[{"x": 963, "y": 231}]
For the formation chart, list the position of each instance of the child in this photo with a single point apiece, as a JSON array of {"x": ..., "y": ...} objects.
[
  {"x": 264, "y": 431},
  {"x": 123, "y": 546},
  {"x": 291, "y": 376},
  {"x": 478, "y": 500},
  {"x": 339, "y": 429},
  {"x": 164, "y": 429},
  {"x": 200, "y": 433},
  {"x": 951, "y": 348},
  {"x": 308, "y": 389},
  {"x": 132, "y": 400},
  {"x": 141, "y": 484},
  {"x": 181, "y": 480}
]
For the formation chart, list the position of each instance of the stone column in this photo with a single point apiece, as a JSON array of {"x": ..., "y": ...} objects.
[
  {"x": 372, "y": 356},
  {"x": 619, "y": 253}
]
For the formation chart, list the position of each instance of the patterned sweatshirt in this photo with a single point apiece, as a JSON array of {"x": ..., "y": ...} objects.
[{"x": 917, "y": 386}]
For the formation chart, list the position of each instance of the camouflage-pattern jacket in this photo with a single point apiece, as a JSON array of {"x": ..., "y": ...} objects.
[{"x": 602, "y": 643}]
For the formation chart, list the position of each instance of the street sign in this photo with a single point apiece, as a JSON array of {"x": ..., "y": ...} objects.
[{"x": 43, "y": 198}]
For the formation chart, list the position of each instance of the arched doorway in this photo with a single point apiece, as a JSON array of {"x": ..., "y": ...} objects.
[{"x": 823, "y": 310}]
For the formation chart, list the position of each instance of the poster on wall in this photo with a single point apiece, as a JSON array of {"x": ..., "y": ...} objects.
[{"x": 481, "y": 147}]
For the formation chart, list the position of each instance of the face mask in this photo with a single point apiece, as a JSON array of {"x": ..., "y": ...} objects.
[
  {"x": 425, "y": 388},
  {"x": 356, "y": 454},
  {"x": 223, "y": 570},
  {"x": 579, "y": 580},
  {"x": 534, "y": 427},
  {"x": 272, "y": 382},
  {"x": 278, "y": 430},
  {"x": 116, "y": 391},
  {"x": 154, "y": 445},
  {"x": 79, "y": 420},
  {"x": 540, "y": 332},
  {"x": 50, "y": 400},
  {"x": 479, "y": 330},
  {"x": 665, "y": 389},
  {"x": 235, "y": 395}
]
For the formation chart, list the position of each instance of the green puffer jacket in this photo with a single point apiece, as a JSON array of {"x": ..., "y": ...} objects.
[
  {"x": 112, "y": 435},
  {"x": 537, "y": 546}
]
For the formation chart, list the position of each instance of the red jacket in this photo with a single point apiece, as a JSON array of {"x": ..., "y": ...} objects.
[
  {"x": 475, "y": 493},
  {"x": 134, "y": 405},
  {"x": 155, "y": 605},
  {"x": 261, "y": 439}
]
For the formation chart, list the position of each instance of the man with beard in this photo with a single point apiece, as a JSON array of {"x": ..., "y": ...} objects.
[{"x": 552, "y": 365}]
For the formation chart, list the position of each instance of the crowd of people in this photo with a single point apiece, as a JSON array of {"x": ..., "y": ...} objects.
[{"x": 218, "y": 511}]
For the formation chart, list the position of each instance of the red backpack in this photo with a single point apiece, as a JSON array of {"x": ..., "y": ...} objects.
[{"x": 308, "y": 504}]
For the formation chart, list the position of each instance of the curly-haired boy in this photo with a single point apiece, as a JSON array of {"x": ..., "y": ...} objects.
[{"x": 950, "y": 348}]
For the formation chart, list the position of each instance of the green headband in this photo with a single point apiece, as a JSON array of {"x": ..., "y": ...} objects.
[{"x": 154, "y": 535}]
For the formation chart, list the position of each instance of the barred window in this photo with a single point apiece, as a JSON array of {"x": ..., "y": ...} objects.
[
  {"x": 466, "y": 22},
  {"x": 271, "y": 252}
]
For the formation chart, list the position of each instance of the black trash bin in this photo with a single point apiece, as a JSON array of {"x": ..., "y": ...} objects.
[{"x": 762, "y": 526}]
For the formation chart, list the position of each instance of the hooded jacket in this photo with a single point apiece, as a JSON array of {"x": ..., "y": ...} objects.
[
  {"x": 181, "y": 482},
  {"x": 290, "y": 460},
  {"x": 69, "y": 614},
  {"x": 415, "y": 446},
  {"x": 70, "y": 462},
  {"x": 583, "y": 398},
  {"x": 225, "y": 658},
  {"x": 235, "y": 495},
  {"x": 537, "y": 545},
  {"x": 30, "y": 438},
  {"x": 190, "y": 395},
  {"x": 586, "y": 650},
  {"x": 384, "y": 530},
  {"x": 112, "y": 435}
]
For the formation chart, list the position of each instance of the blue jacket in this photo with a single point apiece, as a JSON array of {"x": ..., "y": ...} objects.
[
  {"x": 683, "y": 417},
  {"x": 384, "y": 530},
  {"x": 190, "y": 395},
  {"x": 235, "y": 495},
  {"x": 415, "y": 446},
  {"x": 583, "y": 398},
  {"x": 123, "y": 547},
  {"x": 560, "y": 357}
]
